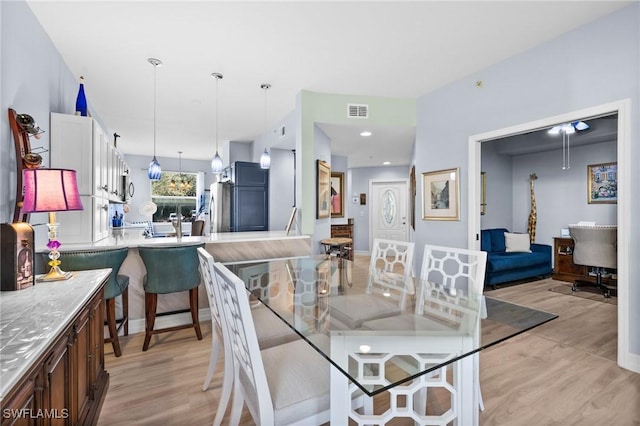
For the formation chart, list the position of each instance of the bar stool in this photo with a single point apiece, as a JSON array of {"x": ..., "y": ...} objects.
[
  {"x": 170, "y": 269},
  {"x": 117, "y": 285}
]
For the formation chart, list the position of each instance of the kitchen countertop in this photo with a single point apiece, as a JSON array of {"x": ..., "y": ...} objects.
[
  {"x": 132, "y": 238},
  {"x": 32, "y": 318}
]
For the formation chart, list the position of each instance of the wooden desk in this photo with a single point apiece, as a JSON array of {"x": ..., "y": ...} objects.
[
  {"x": 563, "y": 267},
  {"x": 338, "y": 246}
]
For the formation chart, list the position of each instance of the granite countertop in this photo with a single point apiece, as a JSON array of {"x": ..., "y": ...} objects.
[{"x": 32, "y": 318}]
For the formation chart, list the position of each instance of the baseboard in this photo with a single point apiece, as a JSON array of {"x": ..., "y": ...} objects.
[
  {"x": 137, "y": 325},
  {"x": 630, "y": 362}
]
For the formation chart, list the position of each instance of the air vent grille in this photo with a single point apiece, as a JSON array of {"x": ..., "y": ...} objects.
[{"x": 358, "y": 110}]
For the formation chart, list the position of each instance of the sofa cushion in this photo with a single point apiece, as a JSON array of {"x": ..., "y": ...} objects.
[
  {"x": 496, "y": 239},
  {"x": 515, "y": 260},
  {"x": 517, "y": 242}
]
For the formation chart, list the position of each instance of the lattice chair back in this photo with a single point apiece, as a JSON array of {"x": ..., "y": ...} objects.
[
  {"x": 240, "y": 334},
  {"x": 454, "y": 268},
  {"x": 390, "y": 269},
  {"x": 217, "y": 339}
]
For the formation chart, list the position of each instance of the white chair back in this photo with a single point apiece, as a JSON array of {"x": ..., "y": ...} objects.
[
  {"x": 454, "y": 267},
  {"x": 390, "y": 269},
  {"x": 240, "y": 334},
  {"x": 206, "y": 269}
]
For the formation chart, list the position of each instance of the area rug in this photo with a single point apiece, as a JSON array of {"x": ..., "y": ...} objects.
[{"x": 585, "y": 293}]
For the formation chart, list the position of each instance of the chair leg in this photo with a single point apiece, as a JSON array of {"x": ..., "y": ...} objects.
[
  {"x": 227, "y": 387},
  {"x": 150, "y": 306},
  {"x": 113, "y": 326},
  {"x": 125, "y": 310},
  {"x": 216, "y": 342},
  {"x": 193, "y": 303}
]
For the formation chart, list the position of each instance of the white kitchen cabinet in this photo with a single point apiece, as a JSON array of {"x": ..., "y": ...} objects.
[{"x": 79, "y": 143}]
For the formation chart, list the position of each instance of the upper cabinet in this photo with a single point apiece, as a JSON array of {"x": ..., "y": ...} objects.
[{"x": 79, "y": 143}]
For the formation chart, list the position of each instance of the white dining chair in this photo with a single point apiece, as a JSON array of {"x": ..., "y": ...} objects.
[
  {"x": 281, "y": 385},
  {"x": 461, "y": 269},
  {"x": 272, "y": 330},
  {"x": 389, "y": 285}
]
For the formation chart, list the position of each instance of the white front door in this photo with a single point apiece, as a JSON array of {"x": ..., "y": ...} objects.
[{"x": 388, "y": 211}]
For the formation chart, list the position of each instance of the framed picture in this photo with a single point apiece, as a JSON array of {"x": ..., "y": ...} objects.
[
  {"x": 441, "y": 195},
  {"x": 602, "y": 183},
  {"x": 337, "y": 194},
  {"x": 323, "y": 190}
]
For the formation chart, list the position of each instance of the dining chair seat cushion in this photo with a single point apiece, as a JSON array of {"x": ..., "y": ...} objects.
[
  {"x": 353, "y": 309},
  {"x": 270, "y": 329},
  {"x": 298, "y": 378}
]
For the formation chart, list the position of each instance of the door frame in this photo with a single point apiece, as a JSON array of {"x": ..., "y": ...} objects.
[
  {"x": 408, "y": 206},
  {"x": 623, "y": 108}
]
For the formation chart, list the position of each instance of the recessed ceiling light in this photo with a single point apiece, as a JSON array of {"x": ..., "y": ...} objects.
[
  {"x": 386, "y": 163},
  {"x": 365, "y": 133}
]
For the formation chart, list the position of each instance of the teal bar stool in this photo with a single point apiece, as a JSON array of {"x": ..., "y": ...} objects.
[
  {"x": 118, "y": 285},
  {"x": 170, "y": 269}
]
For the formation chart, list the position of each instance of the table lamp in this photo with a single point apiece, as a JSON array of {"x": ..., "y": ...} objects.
[{"x": 50, "y": 191}]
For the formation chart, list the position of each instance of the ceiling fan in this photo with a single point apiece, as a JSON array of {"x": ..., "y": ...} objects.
[{"x": 568, "y": 129}]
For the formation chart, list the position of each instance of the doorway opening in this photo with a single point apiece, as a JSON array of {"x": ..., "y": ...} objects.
[{"x": 622, "y": 109}]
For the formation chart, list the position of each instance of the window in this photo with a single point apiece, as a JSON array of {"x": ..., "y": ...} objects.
[{"x": 172, "y": 193}]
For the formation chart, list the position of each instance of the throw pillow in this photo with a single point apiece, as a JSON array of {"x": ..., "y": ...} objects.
[{"x": 517, "y": 242}]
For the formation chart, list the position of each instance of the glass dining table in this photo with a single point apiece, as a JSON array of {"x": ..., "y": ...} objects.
[{"x": 416, "y": 348}]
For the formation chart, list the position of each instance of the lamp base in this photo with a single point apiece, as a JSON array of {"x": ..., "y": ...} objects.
[{"x": 55, "y": 274}]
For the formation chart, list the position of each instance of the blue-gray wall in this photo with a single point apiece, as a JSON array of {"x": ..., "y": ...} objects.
[{"x": 546, "y": 81}]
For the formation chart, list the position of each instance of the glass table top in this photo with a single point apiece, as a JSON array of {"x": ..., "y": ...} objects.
[{"x": 329, "y": 295}]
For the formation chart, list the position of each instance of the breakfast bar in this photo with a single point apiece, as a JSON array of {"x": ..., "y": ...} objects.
[{"x": 224, "y": 247}]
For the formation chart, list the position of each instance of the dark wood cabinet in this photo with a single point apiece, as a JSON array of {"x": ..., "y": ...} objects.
[
  {"x": 563, "y": 267},
  {"x": 67, "y": 384},
  {"x": 344, "y": 231}
]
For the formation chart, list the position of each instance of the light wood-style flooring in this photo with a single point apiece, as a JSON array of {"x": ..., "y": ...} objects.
[{"x": 561, "y": 373}]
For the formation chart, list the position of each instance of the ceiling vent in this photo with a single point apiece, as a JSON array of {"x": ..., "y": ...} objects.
[{"x": 358, "y": 110}]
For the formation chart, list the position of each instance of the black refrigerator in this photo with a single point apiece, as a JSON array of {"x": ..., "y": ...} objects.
[{"x": 249, "y": 197}]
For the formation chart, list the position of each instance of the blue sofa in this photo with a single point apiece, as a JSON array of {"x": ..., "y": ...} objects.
[{"x": 505, "y": 266}]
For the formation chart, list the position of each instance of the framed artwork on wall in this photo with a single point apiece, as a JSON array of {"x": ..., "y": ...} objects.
[
  {"x": 602, "y": 183},
  {"x": 323, "y": 190},
  {"x": 441, "y": 195},
  {"x": 337, "y": 194},
  {"x": 412, "y": 197}
]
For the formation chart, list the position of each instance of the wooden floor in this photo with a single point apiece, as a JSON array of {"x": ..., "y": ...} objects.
[{"x": 562, "y": 373}]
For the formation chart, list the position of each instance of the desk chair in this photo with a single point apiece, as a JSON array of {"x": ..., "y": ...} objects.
[
  {"x": 284, "y": 384},
  {"x": 595, "y": 246},
  {"x": 117, "y": 285},
  {"x": 388, "y": 288},
  {"x": 170, "y": 269}
]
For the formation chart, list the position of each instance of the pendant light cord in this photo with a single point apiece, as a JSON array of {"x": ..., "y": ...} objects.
[
  {"x": 217, "y": 104},
  {"x": 155, "y": 107}
]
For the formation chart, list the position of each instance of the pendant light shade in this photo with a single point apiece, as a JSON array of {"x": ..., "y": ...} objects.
[
  {"x": 216, "y": 163},
  {"x": 154, "y": 171},
  {"x": 265, "y": 158}
]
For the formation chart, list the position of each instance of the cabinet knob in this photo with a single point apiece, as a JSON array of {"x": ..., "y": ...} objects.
[
  {"x": 106, "y": 188},
  {"x": 105, "y": 207}
]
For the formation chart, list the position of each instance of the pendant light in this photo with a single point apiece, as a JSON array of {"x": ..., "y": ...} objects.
[
  {"x": 154, "y": 171},
  {"x": 265, "y": 158},
  {"x": 216, "y": 163}
]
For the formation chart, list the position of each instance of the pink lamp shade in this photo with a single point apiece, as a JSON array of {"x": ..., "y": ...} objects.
[{"x": 50, "y": 190}]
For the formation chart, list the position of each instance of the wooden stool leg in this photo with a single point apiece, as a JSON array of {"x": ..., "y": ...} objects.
[
  {"x": 113, "y": 326},
  {"x": 125, "y": 310},
  {"x": 150, "y": 306},
  {"x": 193, "y": 303}
]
